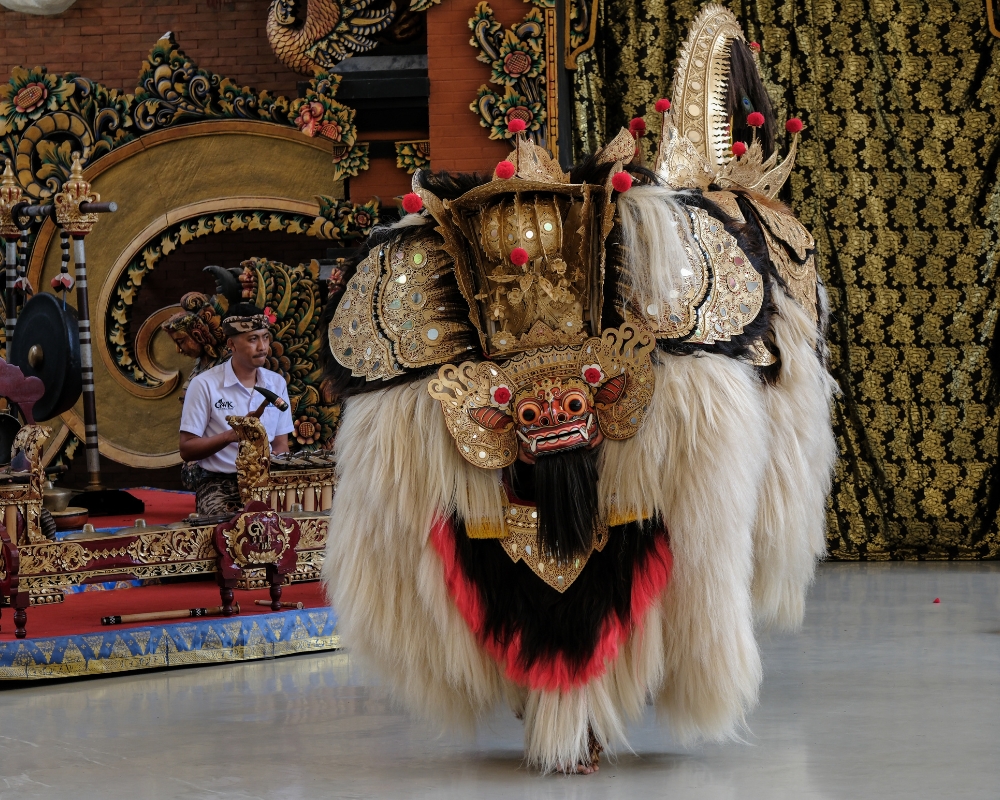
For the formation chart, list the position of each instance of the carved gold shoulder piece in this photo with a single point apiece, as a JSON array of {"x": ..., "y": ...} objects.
[
  {"x": 400, "y": 311},
  {"x": 792, "y": 250},
  {"x": 720, "y": 291}
]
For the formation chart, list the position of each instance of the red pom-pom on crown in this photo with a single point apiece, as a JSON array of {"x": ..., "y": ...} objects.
[
  {"x": 663, "y": 105},
  {"x": 755, "y": 119},
  {"x": 412, "y": 203},
  {"x": 755, "y": 46},
  {"x": 739, "y": 149},
  {"x": 621, "y": 182},
  {"x": 516, "y": 126},
  {"x": 794, "y": 125},
  {"x": 637, "y": 126},
  {"x": 505, "y": 170},
  {"x": 518, "y": 256}
]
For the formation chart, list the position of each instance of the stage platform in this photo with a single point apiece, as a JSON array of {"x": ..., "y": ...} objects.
[{"x": 67, "y": 639}]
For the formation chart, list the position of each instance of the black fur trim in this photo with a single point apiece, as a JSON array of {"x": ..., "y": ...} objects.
[
  {"x": 566, "y": 500},
  {"x": 745, "y": 83},
  {"x": 516, "y": 601}
]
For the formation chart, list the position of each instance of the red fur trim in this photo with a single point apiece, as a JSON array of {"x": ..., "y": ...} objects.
[{"x": 648, "y": 583}]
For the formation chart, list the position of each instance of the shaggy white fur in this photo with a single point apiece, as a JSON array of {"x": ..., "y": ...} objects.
[
  {"x": 789, "y": 536},
  {"x": 699, "y": 461},
  {"x": 399, "y": 468},
  {"x": 651, "y": 237}
]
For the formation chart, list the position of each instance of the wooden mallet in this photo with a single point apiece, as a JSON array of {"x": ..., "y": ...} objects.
[
  {"x": 152, "y": 616},
  {"x": 270, "y": 399}
]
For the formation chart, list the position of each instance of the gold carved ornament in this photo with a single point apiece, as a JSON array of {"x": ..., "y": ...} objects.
[
  {"x": 792, "y": 250},
  {"x": 390, "y": 318},
  {"x": 76, "y": 191},
  {"x": 720, "y": 291},
  {"x": 258, "y": 538},
  {"x": 520, "y": 543},
  {"x": 253, "y": 460},
  {"x": 10, "y": 196},
  {"x": 478, "y": 399},
  {"x": 695, "y": 147}
]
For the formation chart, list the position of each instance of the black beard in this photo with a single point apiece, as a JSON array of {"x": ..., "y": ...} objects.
[{"x": 565, "y": 490}]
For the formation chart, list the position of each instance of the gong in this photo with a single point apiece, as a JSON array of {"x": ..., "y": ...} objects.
[{"x": 47, "y": 345}]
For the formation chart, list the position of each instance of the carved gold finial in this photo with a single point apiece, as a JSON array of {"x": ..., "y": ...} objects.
[
  {"x": 74, "y": 192},
  {"x": 10, "y": 195}
]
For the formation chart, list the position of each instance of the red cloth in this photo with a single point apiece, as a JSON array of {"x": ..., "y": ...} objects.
[
  {"x": 161, "y": 507},
  {"x": 81, "y": 613}
]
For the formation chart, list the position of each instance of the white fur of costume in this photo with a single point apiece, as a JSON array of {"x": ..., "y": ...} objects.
[{"x": 714, "y": 446}]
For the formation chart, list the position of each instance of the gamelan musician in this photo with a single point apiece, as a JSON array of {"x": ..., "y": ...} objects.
[{"x": 227, "y": 390}]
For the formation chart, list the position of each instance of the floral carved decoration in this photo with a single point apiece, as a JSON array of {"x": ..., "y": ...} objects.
[
  {"x": 45, "y": 118},
  {"x": 516, "y": 57}
]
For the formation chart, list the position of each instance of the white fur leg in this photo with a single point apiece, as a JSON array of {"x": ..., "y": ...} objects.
[
  {"x": 398, "y": 469},
  {"x": 698, "y": 461},
  {"x": 789, "y": 535}
]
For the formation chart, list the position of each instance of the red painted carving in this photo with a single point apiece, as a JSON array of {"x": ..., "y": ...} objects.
[{"x": 257, "y": 537}]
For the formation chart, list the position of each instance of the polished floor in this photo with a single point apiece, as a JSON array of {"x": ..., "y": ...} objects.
[{"x": 884, "y": 694}]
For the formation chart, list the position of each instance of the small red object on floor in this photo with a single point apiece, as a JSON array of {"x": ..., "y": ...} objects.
[{"x": 937, "y": 599}]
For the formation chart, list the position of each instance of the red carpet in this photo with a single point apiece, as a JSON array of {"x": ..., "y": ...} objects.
[
  {"x": 161, "y": 507},
  {"x": 81, "y": 613}
]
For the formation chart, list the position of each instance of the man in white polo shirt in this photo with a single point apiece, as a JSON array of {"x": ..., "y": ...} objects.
[{"x": 226, "y": 390}]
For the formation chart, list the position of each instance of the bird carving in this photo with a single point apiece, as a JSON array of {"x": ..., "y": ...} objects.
[{"x": 331, "y": 31}]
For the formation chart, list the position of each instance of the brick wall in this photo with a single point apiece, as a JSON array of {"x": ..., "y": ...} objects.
[
  {"x": 107, "y": 40},
  {"x": 458, "y": 142}
]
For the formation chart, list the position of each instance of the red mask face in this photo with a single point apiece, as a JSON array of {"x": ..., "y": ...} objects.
[{"x": 553, "y": 416}]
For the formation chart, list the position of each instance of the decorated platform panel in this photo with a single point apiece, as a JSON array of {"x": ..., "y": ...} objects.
[{"x": 68, "y": 640}]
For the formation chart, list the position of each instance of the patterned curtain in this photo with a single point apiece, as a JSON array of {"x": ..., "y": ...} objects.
[{"x": 898, "y": 180}]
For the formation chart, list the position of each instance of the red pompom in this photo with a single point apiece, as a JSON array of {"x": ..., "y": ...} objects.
[
  {"x": 794, "y": 125},
  {"x": 592, "y": 375},
  {"x": 663, "y": 105},
  {"x": 755, "y": 119},
  {"x": 621, "y": 181},
  {"x": 412, "y": 203},
  {"x": 637, "y": 127},
  {"x": 518, "y": 256},
  {"x": 501, "y": 395},
  {"x": 739, "y": 149},
  {"x": 505, "y": 170},
  {"x": 755, "y": 46},
  {"x": 516, "y": 125},
  {"x": 937, "y": 599}
]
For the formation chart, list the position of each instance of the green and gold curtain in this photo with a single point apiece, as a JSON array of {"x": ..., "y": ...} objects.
[{"x": 897, "y": 178}]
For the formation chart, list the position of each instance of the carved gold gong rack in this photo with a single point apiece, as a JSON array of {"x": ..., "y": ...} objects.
[{"x": 75, "y": 210}]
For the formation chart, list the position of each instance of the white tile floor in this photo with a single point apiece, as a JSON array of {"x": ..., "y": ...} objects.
[{"x": 883, "y": 695}]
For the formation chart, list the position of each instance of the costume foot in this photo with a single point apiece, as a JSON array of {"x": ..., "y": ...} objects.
[{"x": 594, "y": 764}]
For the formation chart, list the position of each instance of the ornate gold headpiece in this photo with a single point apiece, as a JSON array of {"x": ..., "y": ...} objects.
[
  {"x": 695, "y": 147},
  {"x": 528, "y": 249}
]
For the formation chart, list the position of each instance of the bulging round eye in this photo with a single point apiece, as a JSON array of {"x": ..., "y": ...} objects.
[
  {"x": 574, "y": 402},
  {"x": 528, "y": 411}
]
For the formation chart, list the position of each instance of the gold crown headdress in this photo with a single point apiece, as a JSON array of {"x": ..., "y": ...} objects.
[
  {"x": 528, "y": 249},
  {"x": 695, "y": 150}
]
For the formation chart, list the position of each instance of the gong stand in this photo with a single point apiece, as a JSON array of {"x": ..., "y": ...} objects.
[
  {"x": 76, "y": 213},
  {"x": 10, "y": 196}
]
